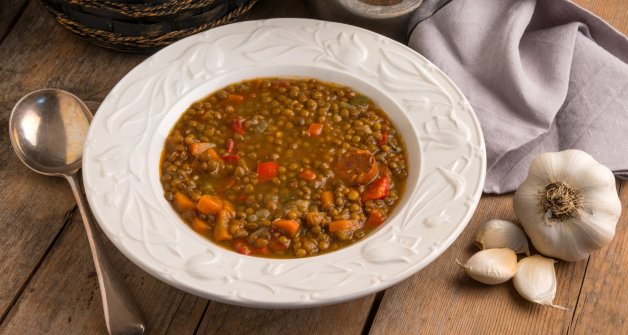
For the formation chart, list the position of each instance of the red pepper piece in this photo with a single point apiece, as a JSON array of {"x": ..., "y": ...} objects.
[
  {"x": 384, "y": 139},
  {"x": 377, "y": 190},
  {"x": 267, "y": 170},
  {"x": 237, "y": 125},
  {"x": 242, "y": 246},
  {"x": 230, "y": 158}
]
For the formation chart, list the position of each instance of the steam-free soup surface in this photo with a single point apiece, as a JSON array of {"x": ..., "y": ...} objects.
[{"x": 284, "y": 168}]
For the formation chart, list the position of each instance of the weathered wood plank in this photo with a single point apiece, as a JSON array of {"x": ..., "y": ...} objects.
[
  {"x": 612, "y": 11},
  {"x": 345, "y": 318},
  {"x": 10, "y": 10},
  {"x": 602, "y": 303},
  {"x": 441, "y": 299},
  {"x": 63, "y": 296},
  {"x": 39, "y": 53}
]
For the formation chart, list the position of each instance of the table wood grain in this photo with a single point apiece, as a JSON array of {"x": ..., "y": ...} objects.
[{"x": 48, "y": 283}]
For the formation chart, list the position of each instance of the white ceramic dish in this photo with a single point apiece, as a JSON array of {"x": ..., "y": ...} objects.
[{"x": 447, "y": 161}]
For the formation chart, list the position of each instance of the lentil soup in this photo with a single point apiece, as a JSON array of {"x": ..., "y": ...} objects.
[{"x": 284, "y": 168}]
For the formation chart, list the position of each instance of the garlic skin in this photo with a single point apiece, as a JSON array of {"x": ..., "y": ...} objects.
[
  {"x": 491, "y": 266},
  {"x": 502, "y": 234},
  {"x": 535, "y": 280},
  {"x": 568, "y": 204}
]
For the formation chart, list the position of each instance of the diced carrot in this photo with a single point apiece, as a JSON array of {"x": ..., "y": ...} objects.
[
  {"x": 307, "y": 174},
  {"x": 327, "y": 199},
  {"x": 221, "y": 229},
  {"x": 339, "y": 225},
  {"x": 289, "y": 226},
  {"x": 228, "y": 206},
  {"x": 235, "y": 99},
  {"x": 200, "y": 226},
  {"x": 213, "y": 154},
  {"x": 377, "y": 190},
  {"x": 199, "y": 148},
  {"x": 315, "y": 129},
  {"x": 209, "y": 204},
  {"x": 375, "y": 219},
  {"x": 182, "y": 202}
]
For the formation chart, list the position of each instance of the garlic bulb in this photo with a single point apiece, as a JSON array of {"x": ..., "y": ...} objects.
[
  {"x": 568, "y": 204},
  {"x": 491, "y": 266},
  {"x": 502, "y": 234},
  {"x": 535, "y": 280}
]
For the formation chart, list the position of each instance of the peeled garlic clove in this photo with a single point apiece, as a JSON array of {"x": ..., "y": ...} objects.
[
  {"x": 535, "y": 280},
  {"x": 491, "y": 266},
  {"x": 502, "y": 234}
]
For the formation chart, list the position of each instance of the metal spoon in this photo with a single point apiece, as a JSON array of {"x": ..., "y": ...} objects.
[{"x": 47, "y": 129}]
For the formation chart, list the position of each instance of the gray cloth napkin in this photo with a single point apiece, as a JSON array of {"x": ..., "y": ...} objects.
[{"x": 541, "y": 75}]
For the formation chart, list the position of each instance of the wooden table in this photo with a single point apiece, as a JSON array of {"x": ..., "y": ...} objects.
[{"x": 48, "y": 284}]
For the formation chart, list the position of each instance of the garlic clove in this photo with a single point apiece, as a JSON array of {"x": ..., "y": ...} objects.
[
  {"x": 491, "y": 266},
  {"x": 535, "y": 280},
  {"x": 502, "y": 234}
]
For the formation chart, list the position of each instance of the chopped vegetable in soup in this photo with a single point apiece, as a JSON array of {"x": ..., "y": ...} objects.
[{"x": 284, "y": 168}]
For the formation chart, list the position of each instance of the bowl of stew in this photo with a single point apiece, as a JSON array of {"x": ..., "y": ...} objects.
[
  {"x": 284, "y": 167},
  {"x": 284, "y": 163}
]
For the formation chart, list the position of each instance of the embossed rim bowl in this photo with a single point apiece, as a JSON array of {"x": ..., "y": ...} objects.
[{"x": 442, "y": 135}]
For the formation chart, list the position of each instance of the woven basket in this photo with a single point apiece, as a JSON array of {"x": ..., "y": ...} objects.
[{"x": 141, "y": 25}]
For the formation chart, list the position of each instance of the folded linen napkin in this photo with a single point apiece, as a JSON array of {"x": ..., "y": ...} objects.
[{"x": 541, "y": 75}]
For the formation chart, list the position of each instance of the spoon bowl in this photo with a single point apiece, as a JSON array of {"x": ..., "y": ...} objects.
[{"x": 48, "y": 128}]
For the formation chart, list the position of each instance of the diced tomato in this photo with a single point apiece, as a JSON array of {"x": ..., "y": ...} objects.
[
  {"x": 267, "y": 170},
  {"x": 307, "y": 174},
  {"x": 237, "y": 125},
  {"x": 235, "y": 99},
  {"x": 242, "y": 197},
  {"x": 242, "y": 246},
  {"x": 230, "y": 158},
  {"x": 377, "y": 190},
  {"x": 315, "y": 129},
  {"x": 384, "y": 139},
  {"x": 375, "y": 219},
  {"x": 230, "y": 145}
]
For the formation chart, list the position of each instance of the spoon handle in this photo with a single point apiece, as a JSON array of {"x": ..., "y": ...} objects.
[{"x": 121, "y": 313}]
